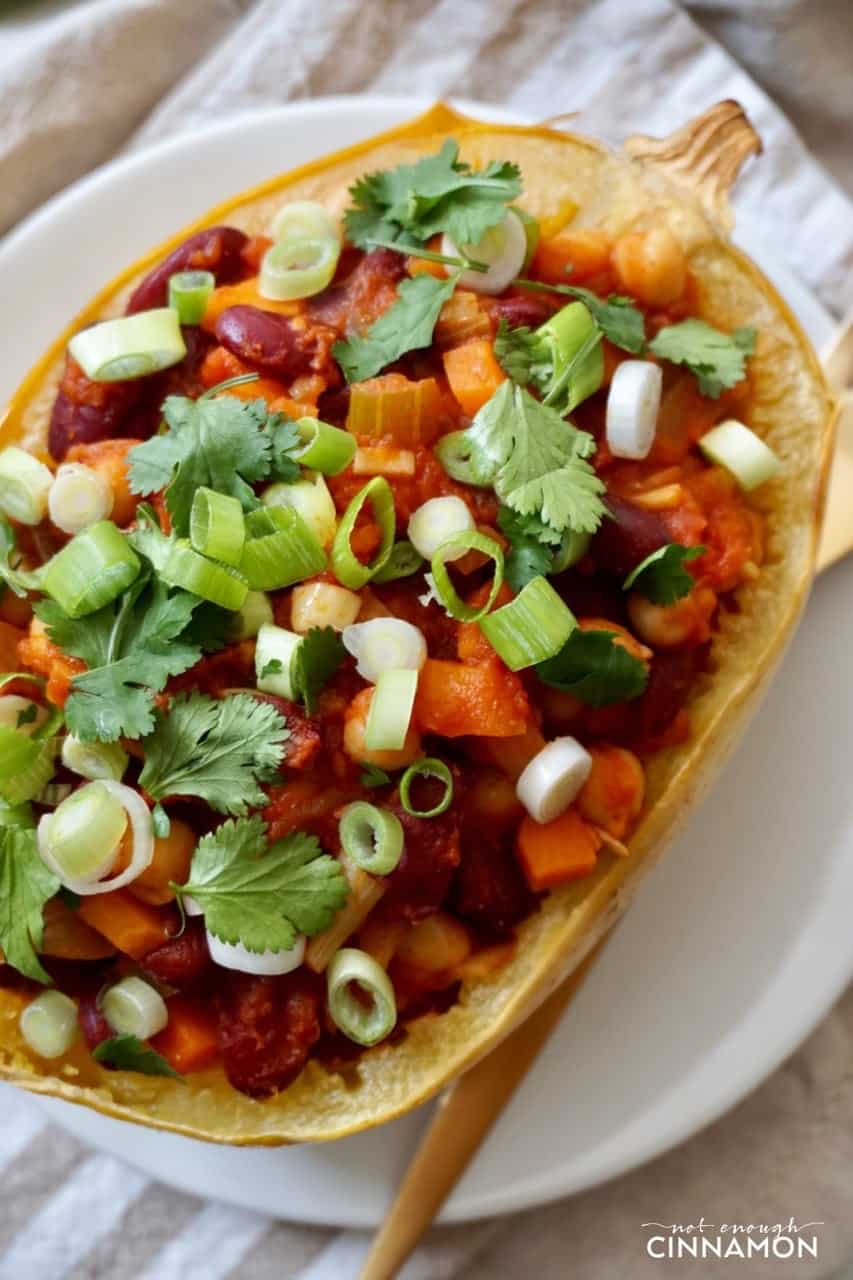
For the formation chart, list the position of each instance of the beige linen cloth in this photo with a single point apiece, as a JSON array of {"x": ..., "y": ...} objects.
[{"x": 79, "y": 81}]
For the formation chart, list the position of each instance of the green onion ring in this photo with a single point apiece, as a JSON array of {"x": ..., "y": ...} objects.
[
  {"x": 471, "y": 540},
  {"x": 91, "y": 570},
  {"x": 326, "y": 448},
  {"x": 427, "y": 767},
  {"x": 189, "y": 292},
  {"x": 186, "y": 568},
  {"x": 298, "y": 268},
  {"x": 363, "y": 1025},
  {"x": 348, "y": 570},
  {"x": 454, "y": 453},
  {"x": 531, "y": 628},
  {"x": 217, "y": 528},
  {"x": 371, "y": 837}
]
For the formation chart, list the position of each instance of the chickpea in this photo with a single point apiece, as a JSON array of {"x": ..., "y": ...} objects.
[
  {"x": 612, "y": 795},
  {"x": 668, "y": 626},
  {"x": 440, "y": 942},
  {"x": 651, "y": 266},
  {"x": 355, "y": 724}
]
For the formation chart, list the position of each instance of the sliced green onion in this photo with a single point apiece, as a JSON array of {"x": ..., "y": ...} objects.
[
  {"x": 436, "y": 522},
  {"x": 17, "y": 815},
  {"x": 218, "y": 583},
  {"x": 573, "y": 547},
  {"x": 24, "y": 486},
  {"x": 95, "y": 567},
  {"x": 732, "y": 445},
  {"x": 79, "y": 497},
  {"x": 531, "y": 234},
  {"x": 275, "y": 660},
  {"x": 17, "y": 712},
  {"x": 311, "y": 498},
  {"x": 189, "y": 292},
  {"x": 217, "y": 528},
  {"x": 280, "y": 549},
  {"x": 403, "y": 561},
  {"x": 574, "y": 340},
  {"x": 83, "y": 834},
  {"x": 372, "y": 837},
  {"x": 503, "y": 248},
  {"x": 390, "y": 711},
  {"x": 26, "y": 765},
  {"x": 49, "y": 1024},
  {"x": 94, "y": 760},
  {"x": 385, "y": 644},
  {"x": 130, "y": 346},
  {"x": 255, "y": 611},
  {"x": 428, "y": 767},
  {"x": 298, "y": 268},
  {"x": 348, "y": 569},
  {"x": 447, "y": 594},
  {"x": 532, "y": 627},
  {"x": 304, "y": 219},
  {"x": 361, "y": 1022},
  {"x": 454, "y": 453},
  {"x": 133, "y": 1008},
  {"x": 326, "y": 448},
  {"x": 79, "y": 841}
]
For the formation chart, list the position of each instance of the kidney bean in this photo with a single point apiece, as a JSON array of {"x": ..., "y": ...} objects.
[
  {"x": 305, "y": 740},
  {"x": 183, "y": 961},
  {"x": 85, "y": 411},
  {"x": 92, "y": 1022},
  {"x": 528, "y": 309},
  {"x": 624, "y": 541},
  {"x": 267, "y": 1028},
  {"x": 268, "y": 341},
  {"x": 420, "y": 882},
  {"x": 670, "y": 678},
  {"x": 215, "y": 249},
  {"x": 489, "y": 890}
]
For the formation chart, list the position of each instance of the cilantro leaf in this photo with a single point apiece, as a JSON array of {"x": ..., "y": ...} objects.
[
  {"x": 439, "y": 193},
  {"x": 595, "y": 668},
  {"x": 372, "y": 776},
  {"x": 523, "y": 356},
  {"x": 717, "y": 359},
  {"x": 216, "y": 748},
  {"x": 407, "y": 325},
  {"x": 132, "y": 647},
  {"x": 317, "y": 659},
  {"x": 536, "y": 461},
  {"x": 285, "y": 442},
  {"x": 25, "y": 886},
  {"x": 225, "y": 444},
  {"x": 618, "y": 318},
  {"x": 262, "y": 898},
  {"x": 528, "y": 557},
  {"x": 662, "y": 577},
  {"x": 208, "y": 628},
  {"x": 128, "y": 1053}
]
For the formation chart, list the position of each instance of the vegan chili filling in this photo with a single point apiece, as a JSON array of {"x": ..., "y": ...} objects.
[{"x": 370, "y": 565}]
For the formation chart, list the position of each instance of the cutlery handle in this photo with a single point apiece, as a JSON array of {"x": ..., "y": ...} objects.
[{"x": 466, "y": 1113}]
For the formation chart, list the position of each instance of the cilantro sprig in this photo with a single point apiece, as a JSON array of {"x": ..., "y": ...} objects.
[
  {"x": 263, "y": 897},
  {"x": 595, "y": 668},
  {"x": 317, "y": 659},
  {"x": 717, "y": 359},
  {"x": 662, "y": 577},
  {"x": 411, "y": 203},
  {"x": 529, "y": 554},
  {"x": 25, "y": 886},
  {"x": 407, "y": 325},
  {"x": 536, "y": 462},
  {"x": 219, "y": 749},
  {"x": 129, "y": 1053}
]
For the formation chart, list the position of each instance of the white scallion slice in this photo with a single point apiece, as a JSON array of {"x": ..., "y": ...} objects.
[
  {"x": 732, "y": 445},
  {"x": 552, "y": 779},
  {"x": 503, "y": 248},
  {"x": 79, "y": 496},
  {"x": 390, "y": 711},
  {"x": 49, "y": 1024},
  {"x": 80, "y": 839},
  {"x": 130, "y": 346},
  {"x": 25, "y": 485},
  {"x": 437, "y": 520},
  {"x": 303, "y": 218},
  {"x": 310, "y": 497},
  {"x": 94, "y": 760},
  {"x": 633, "y": 402},
  {"x": 365, "y": 1021},
  {"x": 298, "y": 268},
  {"x": 134, "y": 1008},
  {"x": 275, "y": 652},
  {"x": 385, "y": 644},
  {"x": 233, "y": 955}
]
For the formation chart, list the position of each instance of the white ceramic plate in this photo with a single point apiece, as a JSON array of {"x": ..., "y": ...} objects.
[{"x": 738, "y": 945}]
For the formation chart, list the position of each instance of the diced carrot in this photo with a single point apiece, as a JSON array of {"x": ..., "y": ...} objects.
[
  {"x": 219, "y": 364},
  {"x": 253, "y": 251},
  {"x": 68, "y": 937},
  {"x": 244, "y": 294},
  {"x": 512, "y": 755},
  {"x": 10, "y": 638},
  {"x": 483, "y": 699},
  {"x": 171, "y": 863},
  {"x": 189, "y": 1041},
  {"x": 293, "y": 408},
  {"x": 471, "y": 644},
  {"x": 109, "y": 459},
  {"x": 473, "y": 373},
  {"x": 383, "y": 460},
  {"x": 571, "y": 256},
  {"x": 553, "y": 852},
  {"x": 133, "y": 927},
  {"x": 261, "y": 389}
]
